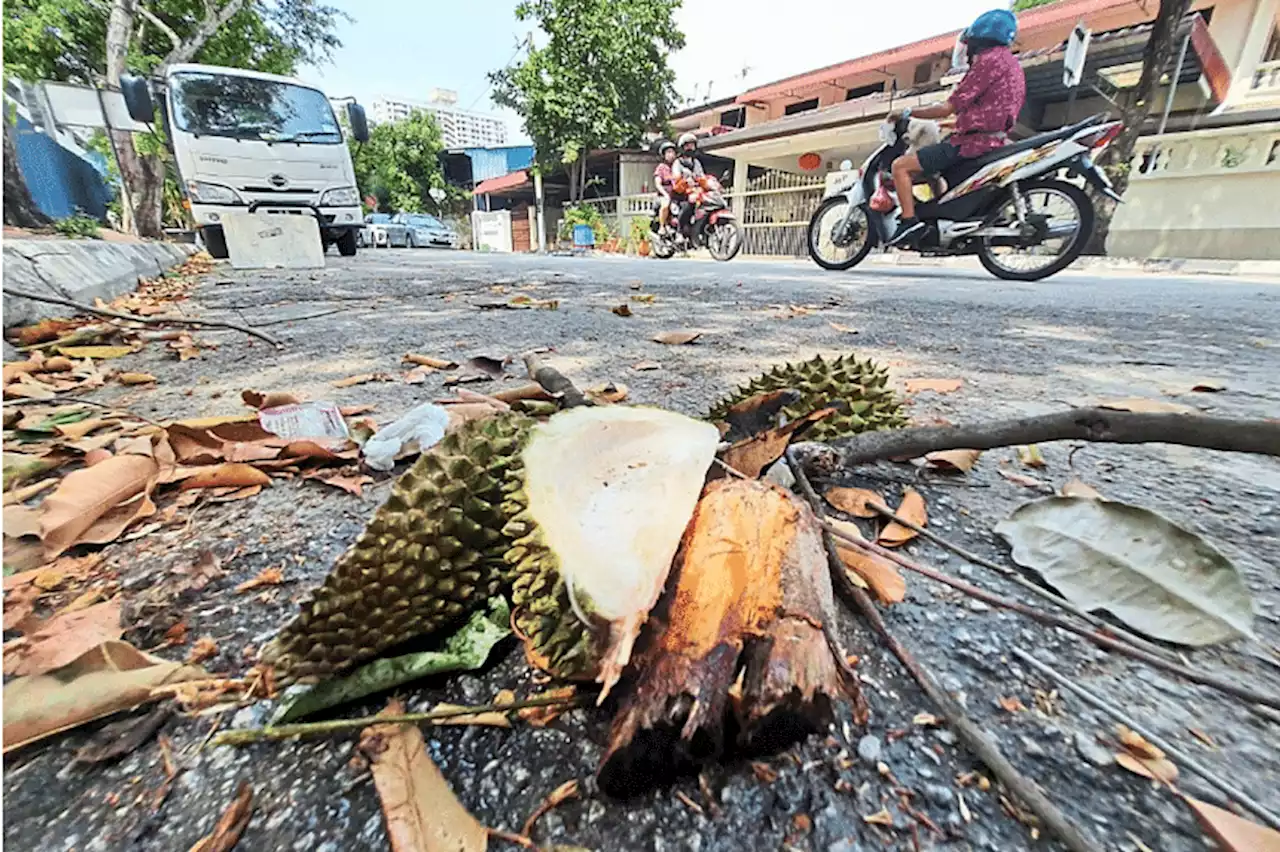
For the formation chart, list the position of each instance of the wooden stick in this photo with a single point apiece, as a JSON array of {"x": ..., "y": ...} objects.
[
  {"x": 1035, "y": 589},
  {"x": 1180, "y": 756},
  {"x": 302, "y": 729},
  {"x": 103, "y": 312},
  {"x": 1099, "y": 639},
  {"x": 974, "y": 738},
  {"x": 554, "y": 382},
  {"x": 1078, "y": 424}
]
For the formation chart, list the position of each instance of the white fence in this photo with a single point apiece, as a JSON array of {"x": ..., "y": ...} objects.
[{"x": 775, "y": 209}]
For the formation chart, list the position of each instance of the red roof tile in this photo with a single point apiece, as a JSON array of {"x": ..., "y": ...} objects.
[{"x": 507, "y": 181}]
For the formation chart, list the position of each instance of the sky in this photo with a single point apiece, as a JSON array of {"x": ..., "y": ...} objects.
[{"x": 405, "y": 48}]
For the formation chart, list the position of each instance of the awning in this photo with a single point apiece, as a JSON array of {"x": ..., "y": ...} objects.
[
  {"x": 1053, "y": 14},
  {"x": 507, "y": 181}
]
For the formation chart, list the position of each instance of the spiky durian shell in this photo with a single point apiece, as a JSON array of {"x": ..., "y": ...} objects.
[
  {"x": 431, "y": 554},
  {"x": 861, "y": 384}
]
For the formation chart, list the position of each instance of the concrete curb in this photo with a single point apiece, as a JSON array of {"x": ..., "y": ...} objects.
[{"x": 82, "y": 270}]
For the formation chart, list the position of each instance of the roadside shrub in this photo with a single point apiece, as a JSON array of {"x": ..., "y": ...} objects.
[{"x": 78, "y": 226}]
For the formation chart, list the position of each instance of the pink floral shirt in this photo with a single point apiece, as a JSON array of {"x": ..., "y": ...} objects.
[{"x": 987, "y": 102}]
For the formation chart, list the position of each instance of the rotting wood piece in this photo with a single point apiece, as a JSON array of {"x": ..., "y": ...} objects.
[{"x": 751, "y": 598}]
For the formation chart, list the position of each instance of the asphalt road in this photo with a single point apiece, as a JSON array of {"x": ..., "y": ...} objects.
[{"x": 1019, "y": 348}]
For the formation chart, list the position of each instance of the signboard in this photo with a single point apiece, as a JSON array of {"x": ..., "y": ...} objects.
[
  {"x": 1073, "y": 60},
  {"x": 78, "y": 106}
]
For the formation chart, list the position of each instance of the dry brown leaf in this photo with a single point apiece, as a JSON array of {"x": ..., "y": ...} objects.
[
  {"x": 913, "y": 509},
  {"x": 1023, "y": 480},
  {"x": 111, "y": 677},
  {"x": 1011, "y": 704},
  {"x": 843, "y": 329},
  {"x": 623, "y": 310},
  {"x": 21, "y": 520},
  {"x": 877, "y": 573},
  {"x": 882, "y": 817},
  {"x": 764, "y": 773},
  {"x": 428, "y": 361},
  {"x": 270, "y": 399},
  {"x": 352, "y": 483},
  {"x": 1202, "y": 737},
  {"x": 935, "y": 385},
  {"x": 361, "y": 379},
  {"x": 1146, "y": 406},
  {"x": 676, "y": 338},
  {"x": 203, "y": 649},
  {"x": 855, "y": 501},
  {"x": 1233, "y": 833},
  {"x": 97, "y": 456},
  {"x": 26, "y": 492},
  {"x": 84, "y": 427},
  {"x": 25, "y": 388},
  {"x": 752, "y": 455},
  {"x": 227, "y": 475},
  {"x": 100, "y": 352},
  {"x": 176, "y": 634},
  {"x": 422, "y": 814},
  {"x": 266, "y": 577},
  {"x": 1157, "y": 770},
  {"x": 540, "y": 717},
  {"x": 959, "y": 461},
  {"x": 135, "y": 378},
  {"x": 226, "y": 833},
  {"x": 61, "y": 639},
  {"x": 1208, "y": 386},
  {"x": 1135, "y": 743},
  {"x": 646, "y": 365},
  {"x": 1030, "y": 456},
  {"x": 567, "y": 790},
  {"x": 417, "y": 376},
  {"x": 926, "y": 720},
  {"x": 608, "y": 392},
  {"x": 97, "y": 503},
  {"x": 644, "y": 298},
  {"x": 1076, "y": 488}
]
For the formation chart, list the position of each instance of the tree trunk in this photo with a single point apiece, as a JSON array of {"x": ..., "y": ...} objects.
[
  {"x": 144, "y": 175},
  {"x": 1155, "y": 58},
  {"x": 20, "y": 208}
]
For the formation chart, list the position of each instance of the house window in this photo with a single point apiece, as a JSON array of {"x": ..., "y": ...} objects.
[
  {"x": 924, "y": 71},
  {"x": 1272, "y": 53},
  {"x": 734, "y": 117},
  {"x": 863, "y": 91},
  {"x": 802, "y": 106}
]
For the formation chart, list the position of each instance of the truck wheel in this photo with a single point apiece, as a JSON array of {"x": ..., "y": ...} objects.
[
  {"x": 347, "y": 244},
  {"x": 215, "y": 242}
]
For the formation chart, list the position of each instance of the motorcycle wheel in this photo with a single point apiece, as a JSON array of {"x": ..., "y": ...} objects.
[
  {"x": 1073, "y": 197},
  {"x": 725, "y": 240},
  {"x": 824, "y": 219},
  {"x": 660, "y": 247}
]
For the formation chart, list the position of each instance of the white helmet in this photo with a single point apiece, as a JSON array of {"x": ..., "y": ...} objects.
[{"x": 686, "y": 139}]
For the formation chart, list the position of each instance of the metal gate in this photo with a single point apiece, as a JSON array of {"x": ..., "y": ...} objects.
[{"x": 775, "y": 212}]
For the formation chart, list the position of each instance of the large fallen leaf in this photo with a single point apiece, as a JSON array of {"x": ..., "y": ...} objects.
[
  {"x": 855, "y": 501},
  {"x": 935, "y": 385},
  {"x": 63, "y": 638},
  {"x": 1155, "y": 768},
  {"x": 465, "y": 650},
  {"x": 1233, "y": 833},
  {"x": 958, "y": 461},
  {"x": 101, "y": 352},
  {"x": 877, "y": 573},
  {"x": 21, "y": 520},
  {"x": 422, "y": 814},
  {"x": 1146, "y": 406},
  {"x": 676, "y": 338},
  {"x": 1145, "y": 570},
  {"x": 912, "y": 509},
  {"x": 270, "y": 399},
  {"x": 112, "y": 677},
  {"x": 752, "y": 455},
  {"x": 96, "y": 504},
  {"x": 226, "y": 832},
  {"x": 229, "y": 475}
]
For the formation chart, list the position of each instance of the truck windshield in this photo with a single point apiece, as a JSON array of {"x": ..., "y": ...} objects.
[{"x": 249, "y": 108}]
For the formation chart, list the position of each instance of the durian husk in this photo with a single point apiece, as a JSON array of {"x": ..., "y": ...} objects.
[
  {"x": 432, "y": 554},
  {"x": 859, "y": 385},
  {"x": 639, "y": 472}
]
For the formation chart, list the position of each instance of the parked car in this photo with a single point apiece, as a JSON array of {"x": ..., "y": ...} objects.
[
  {"x": 425, "y": 230},
  {"x": 381, "y": 230}
]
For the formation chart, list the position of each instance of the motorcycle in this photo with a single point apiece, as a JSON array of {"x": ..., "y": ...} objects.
[
  {"x": 712, "y": 225},
  {"x": 1013, "y": 207}
]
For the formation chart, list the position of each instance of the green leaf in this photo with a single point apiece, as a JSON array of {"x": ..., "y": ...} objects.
[
  {"x": 1148, "y": 572},
  {"x": 465, "y": 650}
]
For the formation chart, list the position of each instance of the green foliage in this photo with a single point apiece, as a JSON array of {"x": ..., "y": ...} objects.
[
  {"x": 1023, "y": 5},
  {"x": 584, "y": 214},
  {"x": 400, "y": 164},
  {"x": 78, "y": 226},
  {"x": 601, "y": 80}
]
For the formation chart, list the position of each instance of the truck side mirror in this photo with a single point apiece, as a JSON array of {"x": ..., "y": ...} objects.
[
  {"x": 359, "y": 124},
  {"x": 137, "y": 98}
]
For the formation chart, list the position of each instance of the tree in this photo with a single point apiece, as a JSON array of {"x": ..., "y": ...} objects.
[
  {"x": 400, "y": 164},
  {"x": 601, "y": 80},
  {"x": 1023, "y": 5},
  {"x": 95, "y": 42}
]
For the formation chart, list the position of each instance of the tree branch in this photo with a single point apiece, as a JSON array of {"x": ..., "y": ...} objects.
[
  {"x": 554, "y": 382},
  {"x": 214, "y": 18},
  {"x": 164, "y": 28},
  {"x": 1079, "y": 424},
  {"x": 103, "y": 312}
]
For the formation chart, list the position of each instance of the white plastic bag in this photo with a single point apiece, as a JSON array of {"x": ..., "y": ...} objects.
[{"x": 425, "y": 424}]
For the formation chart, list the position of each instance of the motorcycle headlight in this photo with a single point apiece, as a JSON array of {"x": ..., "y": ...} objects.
[
  {"x": 343, "y": 196},
  {"x": 211, "y": 193}
]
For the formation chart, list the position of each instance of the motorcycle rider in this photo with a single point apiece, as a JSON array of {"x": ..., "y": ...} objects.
[
  {"x": 986, "y": 104},
  {"x": 664, "y": 182},
  {"x": 690, "y": 167}
]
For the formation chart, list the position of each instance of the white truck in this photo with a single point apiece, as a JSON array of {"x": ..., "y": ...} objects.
[{"x": 245, "y": 141}]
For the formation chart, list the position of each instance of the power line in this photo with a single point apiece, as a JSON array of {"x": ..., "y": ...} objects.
[{"x": 519, "y": 45}]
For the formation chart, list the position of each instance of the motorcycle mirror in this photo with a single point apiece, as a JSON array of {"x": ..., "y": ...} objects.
[
  {"x": 846, "y": 165},
  {"x": 726, "y": 175}
]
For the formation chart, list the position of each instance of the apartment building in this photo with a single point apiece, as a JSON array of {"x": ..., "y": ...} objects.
[{"x": 460, "y": 128}]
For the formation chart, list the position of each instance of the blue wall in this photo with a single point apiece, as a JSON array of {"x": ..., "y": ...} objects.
[
  {"x": 60, "y": 181},
  {"x": 495, "y": 162}
]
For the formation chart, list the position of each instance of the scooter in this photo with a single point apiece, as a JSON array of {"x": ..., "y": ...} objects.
[
  {"x": 1016, "y": 208},
  {"x": 712, "y": 224}
]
